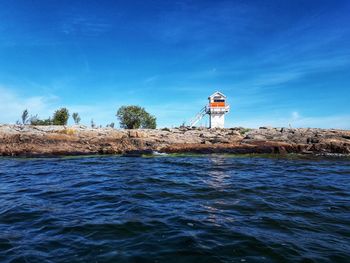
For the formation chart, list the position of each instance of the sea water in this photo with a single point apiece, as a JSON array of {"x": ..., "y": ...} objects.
[{"x": 174, "y": 209}]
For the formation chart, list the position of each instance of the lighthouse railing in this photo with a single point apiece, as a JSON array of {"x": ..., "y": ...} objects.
[{"x": 224, "y": 109}]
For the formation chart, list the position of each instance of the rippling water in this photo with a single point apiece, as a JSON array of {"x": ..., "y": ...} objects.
[{"x": 174, "y": 209}]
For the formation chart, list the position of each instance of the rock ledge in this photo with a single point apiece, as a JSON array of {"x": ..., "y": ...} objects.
[{"x": 16, "y": 140}]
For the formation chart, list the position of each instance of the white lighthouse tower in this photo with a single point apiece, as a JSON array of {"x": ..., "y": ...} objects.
[{"x": 216, "y": 109}]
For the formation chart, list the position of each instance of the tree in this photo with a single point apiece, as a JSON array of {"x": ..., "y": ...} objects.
[
  {"x": 76, "y": 118},
  {"x": 60, "y": 117},
  {"x": 134, "y": 117},
  {"x": 25, "y": 116},
  {"x": 150, "y": 122}
]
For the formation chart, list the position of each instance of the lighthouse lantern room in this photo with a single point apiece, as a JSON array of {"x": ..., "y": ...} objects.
[{"x": 217, "y": 109}]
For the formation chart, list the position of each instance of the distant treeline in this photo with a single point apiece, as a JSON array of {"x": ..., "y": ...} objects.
[{"x": 130, "y": 117}]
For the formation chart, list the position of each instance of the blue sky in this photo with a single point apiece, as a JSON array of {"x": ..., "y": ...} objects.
[{"x": 278, "y": 62}]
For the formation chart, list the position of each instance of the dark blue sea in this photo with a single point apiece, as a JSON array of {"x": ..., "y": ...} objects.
[{"x": 174, "y": 209}]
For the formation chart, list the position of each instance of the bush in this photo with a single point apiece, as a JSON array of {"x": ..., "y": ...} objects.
[
  {"x": 134, "y": 117},
  {"x": 60, "y": 117},
  {"x": 34, "y": 120},
  {"x": 244, "y": 131}
]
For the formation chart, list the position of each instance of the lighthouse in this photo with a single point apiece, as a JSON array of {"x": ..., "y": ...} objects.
[{"x": 217, "y": 108}]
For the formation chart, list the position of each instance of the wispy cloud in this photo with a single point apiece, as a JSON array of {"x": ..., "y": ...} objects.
[
  {"x": 151, "y": 79},
  {"x": 13, "y": 105},
  {"x": 82, "y": 25},
  {"x": 198, "y": 23},
  {"x": 44, "y": 106},
  {"x": 269, "y": 59},
  {"x": 295, "y": 120}
]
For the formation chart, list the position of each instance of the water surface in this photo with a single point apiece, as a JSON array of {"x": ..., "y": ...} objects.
[{"x": 174, "y": 209}]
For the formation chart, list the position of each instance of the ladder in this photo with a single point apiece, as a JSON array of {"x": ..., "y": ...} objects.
[{"x": 198, "y": 116}]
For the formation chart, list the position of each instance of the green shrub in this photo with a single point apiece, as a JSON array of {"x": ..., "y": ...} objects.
[
  {"x": 60, "y": 117},
  {"x": 134, "y": 117},
  {"x": 244, "y": 131},
  {"x": 34, "y": 120}
]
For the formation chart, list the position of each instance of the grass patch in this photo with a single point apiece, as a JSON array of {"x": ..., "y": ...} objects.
[
  {"x": 244, "y": 131},
  {"x": 68, "y": 131}
]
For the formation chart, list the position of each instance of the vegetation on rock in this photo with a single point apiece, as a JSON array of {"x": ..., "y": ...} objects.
[
  {"x": 244, "y": 130},
  {"x": 60, "y": 117},
  {"x": 135, "y": 117},
  {"x": 34, "y": 120}
]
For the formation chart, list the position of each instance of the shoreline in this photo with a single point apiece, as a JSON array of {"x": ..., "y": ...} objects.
[
  {"x": 50, "y": 141},
  {"x": 289, "y": 156}
]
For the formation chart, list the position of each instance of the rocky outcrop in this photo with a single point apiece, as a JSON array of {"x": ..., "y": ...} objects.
[{"x": 16, "y": 140}]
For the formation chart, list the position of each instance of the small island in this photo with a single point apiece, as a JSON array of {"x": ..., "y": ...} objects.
[
  {"x": 56, "y": 140},
  {"x": 138, "y": 135}
]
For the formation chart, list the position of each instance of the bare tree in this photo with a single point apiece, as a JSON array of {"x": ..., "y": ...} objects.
[
  {"x": 25, "y": 117},
  {"x": 76, "y": 118}
]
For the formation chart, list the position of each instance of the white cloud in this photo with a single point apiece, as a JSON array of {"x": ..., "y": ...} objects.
[
  {"x": 295, "y": 120},
  {"x": 100, "y": 114},
  {"x": 336, "y": 121},
  {"x": 12, "y": 105}
]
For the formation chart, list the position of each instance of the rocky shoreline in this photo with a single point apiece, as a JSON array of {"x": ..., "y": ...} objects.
[{"x": 17, "y": 140}]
